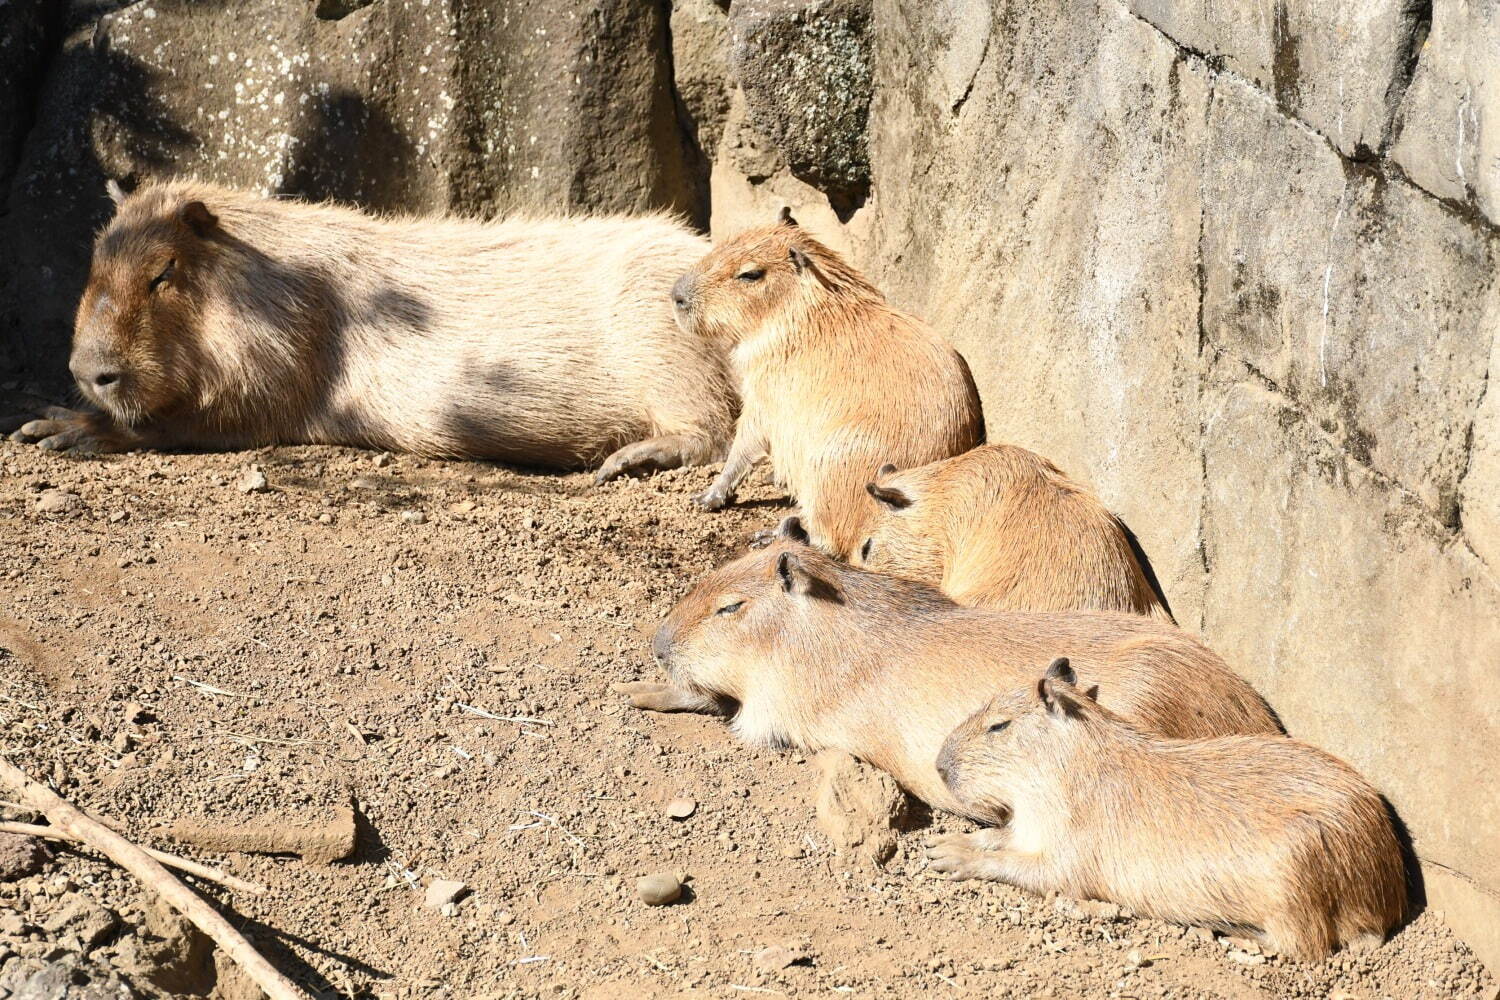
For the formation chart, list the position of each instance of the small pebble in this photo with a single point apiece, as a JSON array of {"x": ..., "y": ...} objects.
[
  {"x": 57, "y": 502},
  {"x": 254, "y": 481},
  {"x": 659, "y": 889},
  {"x": 681, "y": 808},
  {"x": 413, "y": 517},
  {"x": 381, "y": 460},
  {"x": 443, "y": 892}
]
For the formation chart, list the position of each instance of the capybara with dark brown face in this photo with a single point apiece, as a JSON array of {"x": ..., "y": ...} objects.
[
  {"x": 821, "y": 655},
  {"x": 1248, "y": 834},
  {"x": 216, "y": 318},
  {"x": 1002, "y": 527},
  {"x": 834, "y": 381}
]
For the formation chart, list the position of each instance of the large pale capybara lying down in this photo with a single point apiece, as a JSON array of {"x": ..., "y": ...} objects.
[{"x": 215, "y": 318}]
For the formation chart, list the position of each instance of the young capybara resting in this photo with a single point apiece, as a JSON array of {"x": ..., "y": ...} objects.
[
  {"x": 821, "y": 655},
  {"x": 834, "y": 381},
  {"x": 216, "y": 318},
  {"x": 1002, "y": 527},
  {"x": 1253, "y": 834}
]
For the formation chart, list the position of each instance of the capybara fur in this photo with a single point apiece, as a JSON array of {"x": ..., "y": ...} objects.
[
  {"x": 1002, "y": 527},
  {"x": 833, "y": 380},
  {"x": 216, "y": 318},
  {"x": 821, "y": 655},
  {"x": 1251, "y": 834}
]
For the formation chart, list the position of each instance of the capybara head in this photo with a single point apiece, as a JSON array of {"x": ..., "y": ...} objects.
[
  {"x": 713, "y": 639},
  {"x": 136, "y": 320},
  {"x": 774, "y": 275},
  {"x": 899, "y": 538},
  {"x": 1008, "y": 745}
]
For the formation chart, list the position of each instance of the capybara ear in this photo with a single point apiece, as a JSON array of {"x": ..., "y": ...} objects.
[
  {"x": 885, "y": 470},
  {"x": 196, "y": 216},
  {"x": 1061, "y": 670},
  {"x": 890, "y": 496},
  {"x": 785, "y": 216},
  {"x": 799, "y": 259},
  {"x": 797, "y": 579},
  {"x": 1060, "y": 697},
  {"x": 793, "y": 529},
  {"x": 115, "y": 192}
]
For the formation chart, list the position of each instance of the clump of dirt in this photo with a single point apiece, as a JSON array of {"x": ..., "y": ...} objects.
[{"x": 434, "y": 642}]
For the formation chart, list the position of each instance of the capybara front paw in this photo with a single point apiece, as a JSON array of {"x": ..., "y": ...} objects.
[
  {"x": 953, "y": 856},
  {"x": 61, "y": 429},
  {"x": 713, "y": 498},
  {"x": 654, "y": 697}
]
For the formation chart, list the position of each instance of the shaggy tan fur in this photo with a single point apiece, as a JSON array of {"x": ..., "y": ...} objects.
[
  {"x": 835, "y": 381},
  {"x": 226, "y": 320},
  {"x": 1250, "y": 834},
  {"x": 822, "y": 655},
  {"x": 1002, "y": 527}
]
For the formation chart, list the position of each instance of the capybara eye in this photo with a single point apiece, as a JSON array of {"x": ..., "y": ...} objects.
[
  {"x": 864, "y": 550},
  {"x": 999, "y": 727},
  {"x": 730, "y": 609},
  {"x": 752, "y": 274},
  {"x": 166, "y": 273}
]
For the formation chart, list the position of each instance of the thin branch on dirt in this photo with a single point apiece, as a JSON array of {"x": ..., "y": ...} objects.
[
  {"x": 209, "y": 688},
  {"x": 755, "y": 989},
  {"x": 27, "y": 704},
  {"x": 170, "y": 860},
  {"x": 521, "y": 719},
  {"x": 67, "y": 817},
  {"x": 543, "y": 816}
]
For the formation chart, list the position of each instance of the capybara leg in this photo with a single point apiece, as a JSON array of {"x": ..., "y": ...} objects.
[
  {"x": 960, "y": 860},
  {"x": 61, "y": 429},
  {"x": 655, "y": 454},
  {"x": 746, "y": 451},
  {"x": 655, "y": 697},
  {"x": 1306, "y": 935}
]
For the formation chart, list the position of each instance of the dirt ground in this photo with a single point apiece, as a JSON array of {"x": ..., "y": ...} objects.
[{"x": 173, "y": 648}]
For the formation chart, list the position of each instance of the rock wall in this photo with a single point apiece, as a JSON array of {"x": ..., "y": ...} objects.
[{"x": 1232, "y": 264}]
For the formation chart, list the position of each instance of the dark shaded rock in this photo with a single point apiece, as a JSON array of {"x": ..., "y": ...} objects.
[
  {"x": 68, "y": 977},
  {"x": 805, "y": 69}
]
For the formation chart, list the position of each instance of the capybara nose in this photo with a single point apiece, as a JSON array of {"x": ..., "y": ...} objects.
[
  {"x": 97, "y": 374},
  {"x": 661, "y": 646},
  {"x": 682, "y": 292}
]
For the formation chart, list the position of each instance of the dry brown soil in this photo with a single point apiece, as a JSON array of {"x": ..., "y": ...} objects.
[{"x": 349, "y": 613}]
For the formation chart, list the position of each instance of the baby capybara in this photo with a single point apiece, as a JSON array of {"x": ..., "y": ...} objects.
[
  {"x": 834, "y": 380},
  {"x": 813, "y": 653},
  {"x": 1253, "y": 834},
  {"x": 1001, "y": 527}
]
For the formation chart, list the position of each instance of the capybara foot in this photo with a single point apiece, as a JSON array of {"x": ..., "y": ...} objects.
[
  {"x": 962, "y": 855},
  {"x": 653, "y": 455},
  {"x": 714, "y": 498},
  {"x": 654, "y": 697},
  {"x": 61, "y": 429}
]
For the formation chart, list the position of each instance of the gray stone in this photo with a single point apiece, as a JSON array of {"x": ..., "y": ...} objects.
[
  {"x": 805, "y": 69},
  {"x": 253, "y": 480},
  {"x": 1449, "y": 141},
  {"x": 700, "y": 67},
  {"x": 20, "y": 856},
  {"x": 66, "y": 977},
  {"x": 1340, "y": 67},
  {"x": 442, "y": 891},
  {"x": 1392, "y": 367},
  {"x": 58, "y": 502},
  {"x": 659, "y": 889}
]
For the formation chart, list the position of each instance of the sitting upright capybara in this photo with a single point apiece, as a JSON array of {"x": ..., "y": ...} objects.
[
  {"x": 216, "y": 318},
  {"x": 1002, "y": 527},
  {"x": 1248, "y": 834},
  {"x": 833, "y": 380},
  {"x": 821, "y": 655}
]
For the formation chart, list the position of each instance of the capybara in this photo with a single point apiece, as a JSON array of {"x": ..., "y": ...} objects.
[
  {"x": 1002, "y": 527},
  {"x": 833, "y": 380},
  {"x": 822, "y": 655},
  {"x": 216, "y": 318},
  {"x": 1250, "y": 834}
]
